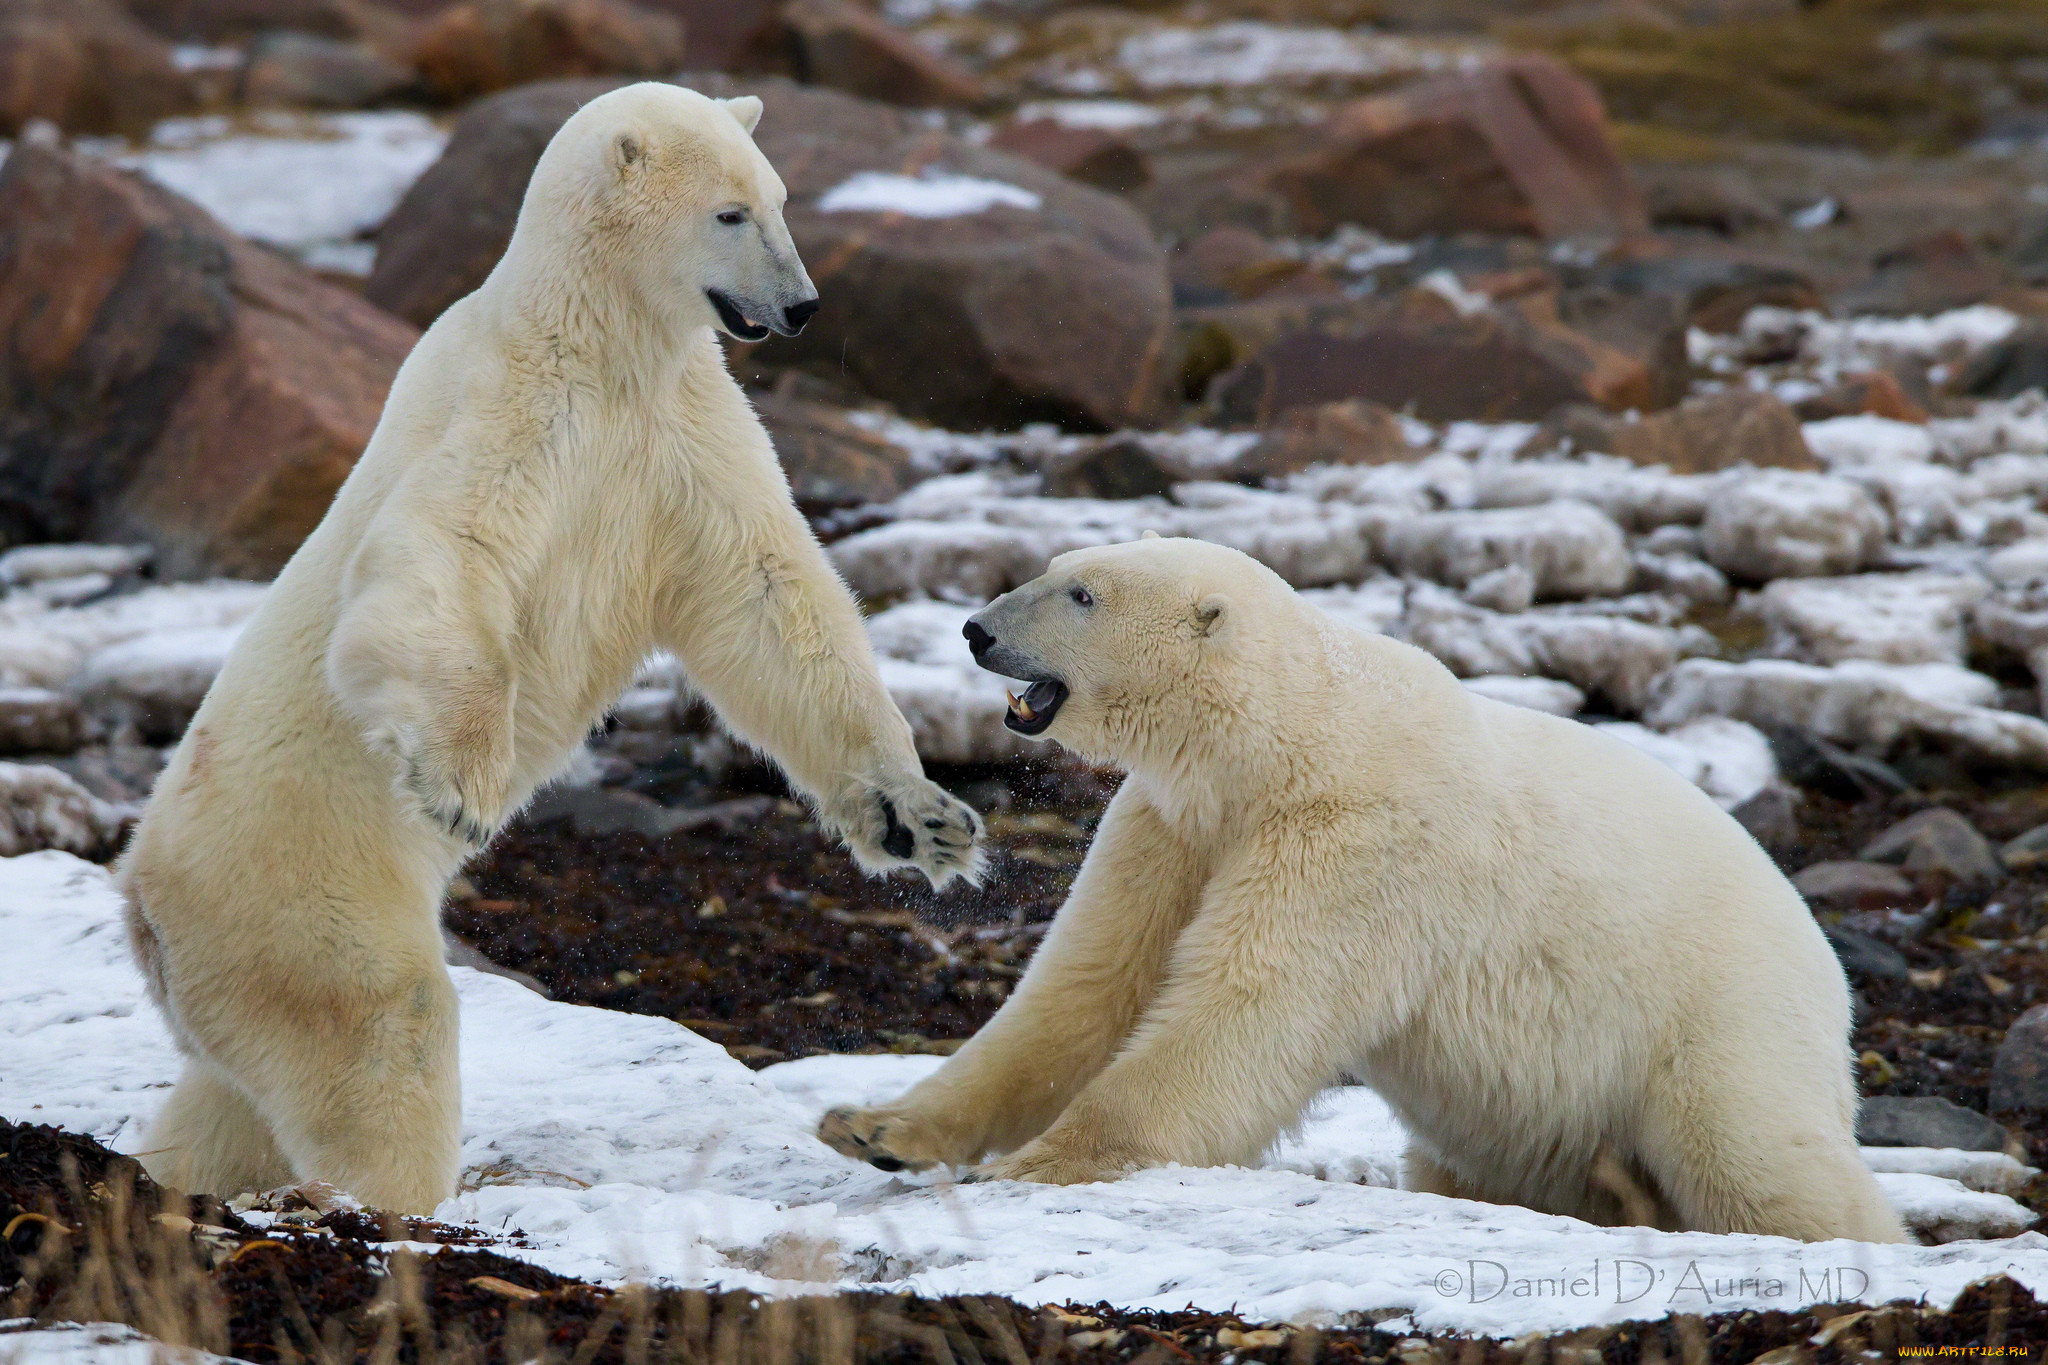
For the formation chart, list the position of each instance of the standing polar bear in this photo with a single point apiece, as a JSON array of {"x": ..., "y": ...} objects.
[
  {"x": 565, "y": 477},
  {"x": 1581, "y": 986}
]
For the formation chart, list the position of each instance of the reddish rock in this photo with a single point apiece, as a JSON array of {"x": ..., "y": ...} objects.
[
  {"x": 830, "y": 460},
  {"x": 1871, "y": 392},
  {"x": 477, "y": 46},
  {"x": 721, "y": 35},
  {"x": 1093, "y": 156},
  {"x": 164, "y": 381},
  {"x": 1350, "y": 432},
  {"x": 1854, "y": 886},
  {"x": 217, "y": 21},
  {"x": 846, "y": 46},
  {"x": 1501, "y": 364},
  {"x": 1737, "y": 426},
  {"x": 312, "y": 71},
  {"x": 85, "y": 66},
  {"x": 1056, "y": 313},
  {"x": 1519, "y": 146},
  {"x": 1927, "y": 275}
]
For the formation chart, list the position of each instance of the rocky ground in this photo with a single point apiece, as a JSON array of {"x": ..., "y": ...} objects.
[
  {"x": 90, "y": 1241},
  {"x": 1677, "y": 365}
]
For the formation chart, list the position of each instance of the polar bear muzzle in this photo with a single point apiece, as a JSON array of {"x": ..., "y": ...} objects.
[{"x": 1031, "y": 713}]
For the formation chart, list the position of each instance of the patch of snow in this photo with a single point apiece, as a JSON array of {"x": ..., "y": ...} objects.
[
  {"x": 1607, "y": 656},
  {"x": 1538, "y": 694},
  {"x": 934, "y": 194},
  {"x": 297, "y": 181},
  {"x": 1991, "y": 1171},
  {"x": 37, "y": 563},
  {"x": 1250, "y": 53},
  {"x": 1115, "y": 116},
  {"x": 45, "y": 646},
  {"x": 1728, "y": 760},
  {"x": 1570, "y": 549},
  {"x": 1867, "y": 439},
  {"x": 1855, "y": 703},
  {"x": 1909, "y": 618},
  {"x": 626, "y": 1145},
  {"x": 96, "y": 1343},
  {"x": 1781, "y": 523}
]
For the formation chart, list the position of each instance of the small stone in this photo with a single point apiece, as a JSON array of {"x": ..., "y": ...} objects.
[
  {"x": 1926, "y": 1121},
  {"x": 1831, "y": 770},
  {"x": 1352, "y": 431},
  {"x": 1861, "y": 954},
  {"x": 2019, "y": 1071},
  {"x": 1871, "y": 392},
  {"x": 1853, "y": 885},
  {"x": 1510, "y": 588},
  {"x": 1938, "y": 840},
  {"x": 35, "y": 720},
  {"x": 1093, "y": 156},
  {"x": 1772, "y": 815},
  {"x": 310, "y": 70},
  {"x": 1115, "y": 468},
  {"x": 1783, "y": 523},
  {"x": 2028, "y": 850}
]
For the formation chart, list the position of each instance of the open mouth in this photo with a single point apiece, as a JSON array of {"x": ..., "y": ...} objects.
[
  {"x": 1032, "y": 712},
  {"x": 732, "y": 319}
]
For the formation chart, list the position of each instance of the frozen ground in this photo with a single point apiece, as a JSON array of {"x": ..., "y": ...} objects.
[{"x": 623, "y": 1145}]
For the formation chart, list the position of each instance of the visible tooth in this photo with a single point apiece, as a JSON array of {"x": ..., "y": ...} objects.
[{"x": 1020, "y": 706}]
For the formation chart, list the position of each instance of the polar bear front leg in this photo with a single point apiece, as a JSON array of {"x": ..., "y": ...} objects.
[
  {"x": 1096, "y": 971},
  {"x": 430, "y": 682},
  {"x": 1267, "y": 998},
  {"x": 772, "y": 637}
]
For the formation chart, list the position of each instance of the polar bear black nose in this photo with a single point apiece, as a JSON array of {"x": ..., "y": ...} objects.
[
  {"x": 797, "y": 314},
  {"x": 978, "y": 639}
]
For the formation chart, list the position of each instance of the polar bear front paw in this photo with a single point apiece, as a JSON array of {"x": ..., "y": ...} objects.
[
  {"x": 1051, "y": 1163},
  {"x": 885, "y": 1140},
  {"x": 909, "y": 821},
  {"x": 469, "y": 805}
]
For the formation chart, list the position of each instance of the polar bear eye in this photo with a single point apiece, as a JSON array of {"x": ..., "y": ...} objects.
[
  {"x": 1082, "y": 596},
  {"x": 732, "y": 217}
]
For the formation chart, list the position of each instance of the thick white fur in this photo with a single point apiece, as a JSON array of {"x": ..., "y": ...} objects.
[
  {"x": 1581, "y": 985},
  {"x": 565, "y": 477}
]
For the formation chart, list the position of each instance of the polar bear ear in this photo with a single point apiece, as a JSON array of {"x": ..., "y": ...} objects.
[
  {"x": 747, "y": 109},
  {"x": 1213, "y": 617},
  {"x": 628, "y": 151}
]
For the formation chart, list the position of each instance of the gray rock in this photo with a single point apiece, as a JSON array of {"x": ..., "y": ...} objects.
[
  {"x": 2019, "y": 1073},
  {"x": 607, "y": 810},
  {"x": 1926, "y": 1121},
  {"x": 1771, "y": 816},
  {"x": 1853, "y": 885},
  {"x": 1811, "y": 761},
  {"x": 35, "y": 720},
  {"x": 1866, "y": 955},
  {"x": 460, "y": 954},
  {"x": 2028, "y": 850},
  {"x": 1938, "y": 840}
]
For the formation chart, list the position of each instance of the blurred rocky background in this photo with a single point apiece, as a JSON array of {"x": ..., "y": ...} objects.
[{"x": 1676, "y": 365}]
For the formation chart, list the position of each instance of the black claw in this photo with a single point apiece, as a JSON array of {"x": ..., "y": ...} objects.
[
  {"x": 885, "y": 1163},
  {"x": 935, "y": 824},
  {"x": 897, "y": 840}
]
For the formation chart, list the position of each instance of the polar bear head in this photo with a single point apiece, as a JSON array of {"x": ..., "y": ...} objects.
[
  {"x": 662, "y": 193},
  {"x": 1134, "y": 653}
]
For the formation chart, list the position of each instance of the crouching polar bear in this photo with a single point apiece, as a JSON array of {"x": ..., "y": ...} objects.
[
  {"x": 1581, "y": 986},
  {"x": 565, "y": 477}
]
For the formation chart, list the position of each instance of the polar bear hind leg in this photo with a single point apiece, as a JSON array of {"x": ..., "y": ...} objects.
[
  {"x": 1739, "y": 1172},
  {"x": 208, "y": 1136},
  {"x": 354, "y": 1068}
]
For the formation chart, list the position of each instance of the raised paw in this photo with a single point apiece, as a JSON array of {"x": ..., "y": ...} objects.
[
  {"x": 458, "y": 803},
  {"x": 907, "y": 821},
  {"x": 886, "y": 1141}
]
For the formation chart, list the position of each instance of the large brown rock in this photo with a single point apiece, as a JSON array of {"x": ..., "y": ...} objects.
[
  {"x": 830, "y": 460},
  {"x": 476, "y": 46},
  {"x": 1422, "y": 356},
  {"x": 215, "y": 21},
  {"x": 1006, "y": 315},
  {"x": 1737, "y": 426},
  {"x": 847, "y": 46},
  {"x": 86, "y": 66},
  {"x": 1520, "y": 145},
  {"x": 163, "y": 381}
]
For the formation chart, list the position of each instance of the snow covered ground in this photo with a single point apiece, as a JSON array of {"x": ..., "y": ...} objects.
[{"x": 626, "y": 1146}]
